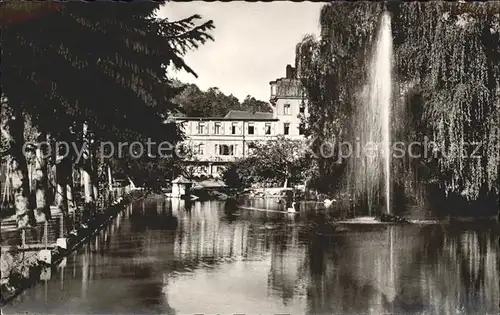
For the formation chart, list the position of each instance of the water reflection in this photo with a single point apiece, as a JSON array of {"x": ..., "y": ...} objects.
[{"x": 171, "y": 257}]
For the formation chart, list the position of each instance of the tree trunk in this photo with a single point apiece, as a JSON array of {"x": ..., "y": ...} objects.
[
  {"x": 12, "y": 131},
  {"x": 41, "y": 179},
  {"x": 110, "y": 185},
  {"x": 61, "y": 184},
  {"x": 95, "y": 173},
  {"x": 88, "y": 195},
  {"x": 86, "y": 171},
  {"x": 70, "y": 188},
  {"x": 287, "y": 175},
  {"x": 21, "y": 190},
  {"x": 63, "y": 179},
  {"x": 6, "y": 190}
]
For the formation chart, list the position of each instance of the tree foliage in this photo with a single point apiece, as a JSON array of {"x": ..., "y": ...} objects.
[
  {"x": 107, "y": 67},
  {"x": 446, "y": 82},
  {"x": 194, "y": 102},
  {"x": 276, "y": 162}
]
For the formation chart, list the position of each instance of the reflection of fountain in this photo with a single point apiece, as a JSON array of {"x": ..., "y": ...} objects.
[
  {"x": 85, "y": 274},
  {"x": 373, "y": 124},
  {"x": 386, "y": 267}
]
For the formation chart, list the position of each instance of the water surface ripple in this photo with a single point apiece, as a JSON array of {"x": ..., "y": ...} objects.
[{"x": 166, "y": 257}]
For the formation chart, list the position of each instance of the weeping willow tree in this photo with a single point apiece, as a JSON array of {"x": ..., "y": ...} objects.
[
  {"x": 455, "y": 71},
  {"x": 446, "y": 83},
  {"x": 100, "y": 67},
  {"x": 333, "y": 71}
]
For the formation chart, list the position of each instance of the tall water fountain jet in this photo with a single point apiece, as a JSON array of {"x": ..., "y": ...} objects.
[{"x": 372, "y": 172}]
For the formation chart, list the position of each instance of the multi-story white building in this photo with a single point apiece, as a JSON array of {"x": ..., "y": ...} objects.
[{"x": 216, "y": 141}]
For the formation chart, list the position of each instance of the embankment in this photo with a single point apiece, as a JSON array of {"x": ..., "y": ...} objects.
[{"x": 19, "y": 274}]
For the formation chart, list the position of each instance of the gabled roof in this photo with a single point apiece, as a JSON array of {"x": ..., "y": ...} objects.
[
  {"x": 244, "y": 114},
  {"x": 212, "y": 183},
  {"x": 234, "y": 115},
  {"x": 209, "y": 184},
  {"x": 181, "y": 180}
]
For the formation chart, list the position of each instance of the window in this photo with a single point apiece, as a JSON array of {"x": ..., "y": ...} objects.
[
  {"x": 268, "y": 129},
  {"x": 286, "y": 109},
  {"x": 201, "y": 128},
  {"x": 201, "y": 149},
  {"x": 251, "y": 129},
  {"x": 225, "y": 149},
  {"x": 302, "y": 108},
  {"x": 233, "y": 129},
  {"x": 286, "y": 128},
  {"x": 301, "y": 129},
  {"x": 218, "y": 128}
]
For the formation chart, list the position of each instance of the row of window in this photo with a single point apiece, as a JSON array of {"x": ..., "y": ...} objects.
[
  {"x": 205, "y": 170},
  {"x": 250, "y": 129},
  {"x": 220, "y": 149},
  {"x": 219, "y": 130},
  {"x": 287, "y": 109}
]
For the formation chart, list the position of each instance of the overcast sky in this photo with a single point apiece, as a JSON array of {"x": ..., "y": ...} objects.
[{"x": 253, "y": 42}]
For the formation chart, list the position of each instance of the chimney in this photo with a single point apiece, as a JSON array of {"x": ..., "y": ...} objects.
[{"x": 290, "y": 72}]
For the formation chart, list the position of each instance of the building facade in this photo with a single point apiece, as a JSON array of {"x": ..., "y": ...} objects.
[{"x": 216, "y": 141}]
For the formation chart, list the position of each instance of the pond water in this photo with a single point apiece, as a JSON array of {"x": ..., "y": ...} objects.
[{"x": 166, "y": 257}]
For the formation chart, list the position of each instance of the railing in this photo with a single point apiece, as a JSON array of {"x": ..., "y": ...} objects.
[{"x": 45, "y": 234}]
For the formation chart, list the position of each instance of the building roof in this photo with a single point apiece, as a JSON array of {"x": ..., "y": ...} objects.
[
  {"x": 210, "y": 183},
  {"x": 244, "y": 114},
  {"x": 236, "y": 115},
  {"x": 181, "y": 180}
]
